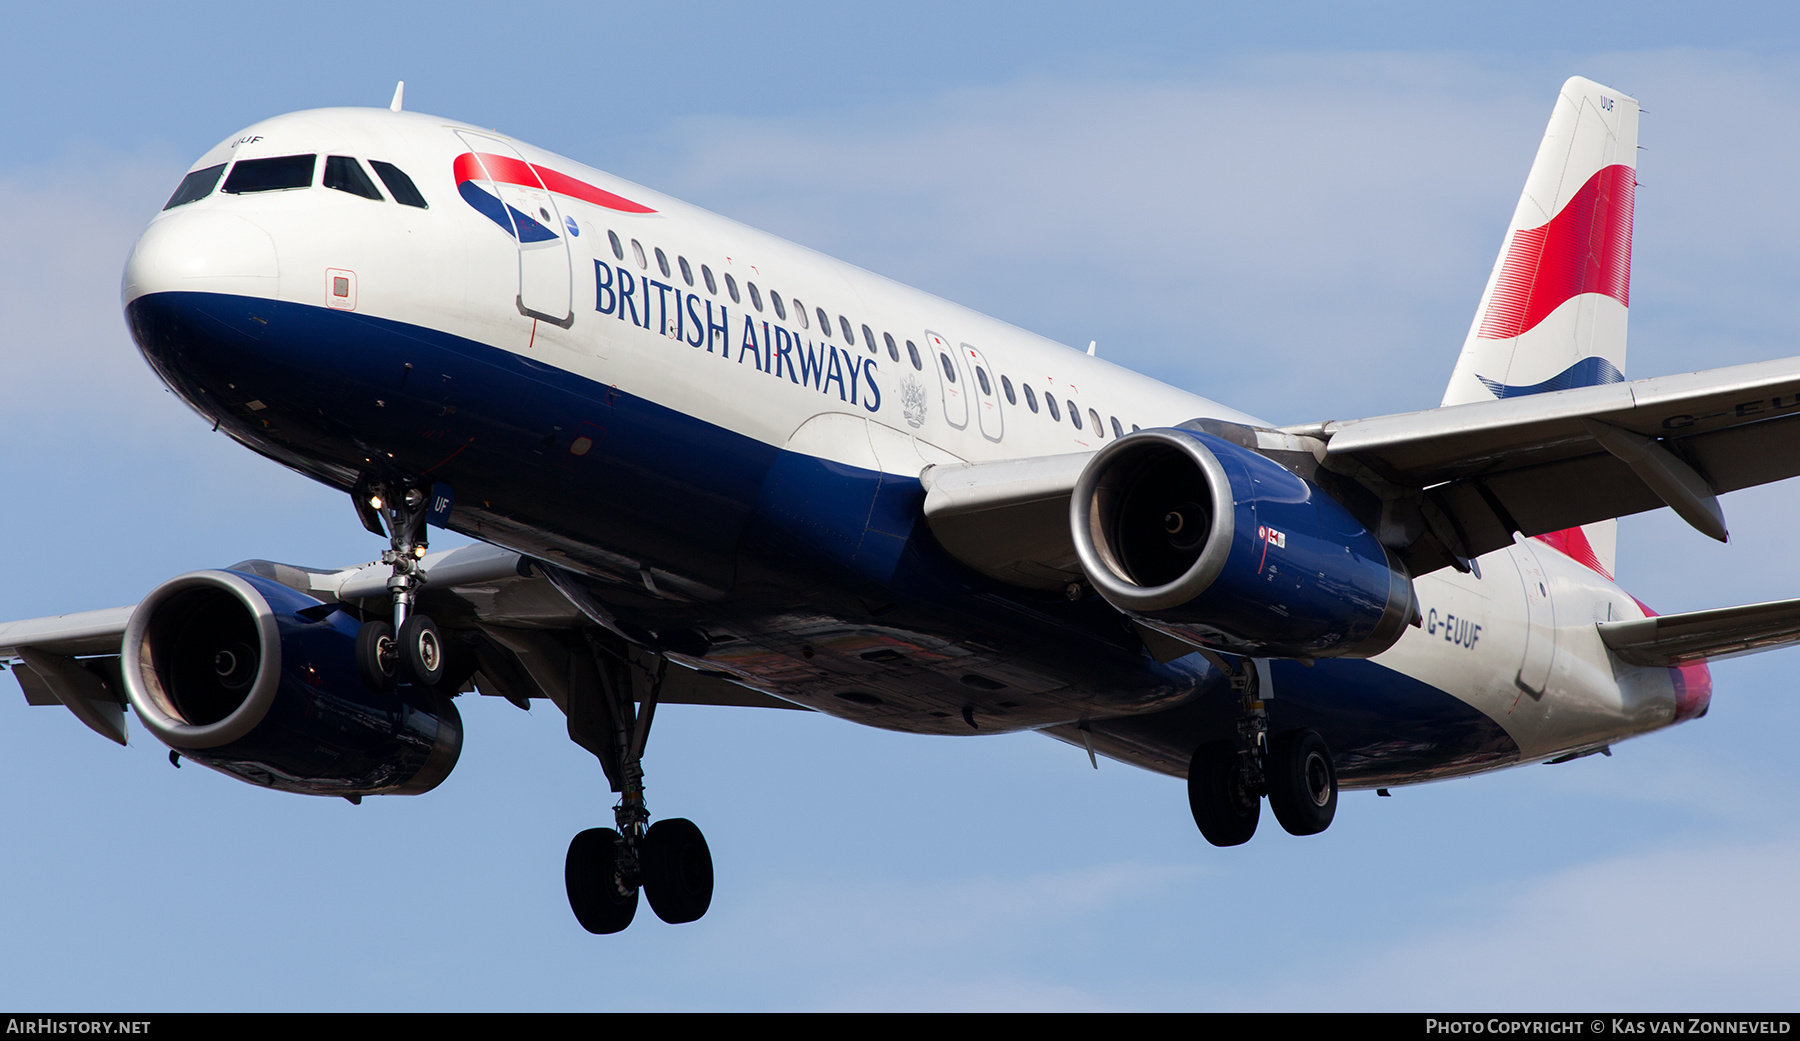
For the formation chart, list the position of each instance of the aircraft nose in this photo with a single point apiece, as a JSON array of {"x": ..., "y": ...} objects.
[{"x": 203, "y": 251}]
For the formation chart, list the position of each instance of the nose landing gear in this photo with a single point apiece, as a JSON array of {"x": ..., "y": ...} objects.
[{"x": 410, "y": 646}]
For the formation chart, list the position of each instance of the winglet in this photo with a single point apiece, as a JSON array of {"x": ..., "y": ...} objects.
[{"x": 399, "y": 92}]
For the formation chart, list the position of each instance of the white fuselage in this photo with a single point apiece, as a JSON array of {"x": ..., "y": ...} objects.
[{"x": 1517, "y": 641}]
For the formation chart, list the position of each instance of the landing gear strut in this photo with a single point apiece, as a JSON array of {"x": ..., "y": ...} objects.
[
  {"x": 410, "y": 646},
  {"x": 1227, "y": 779},
  {"x": 669, "y": 860}
]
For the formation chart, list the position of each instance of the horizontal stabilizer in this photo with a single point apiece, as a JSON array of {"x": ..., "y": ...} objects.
[{"x": 1723, "y": 632}]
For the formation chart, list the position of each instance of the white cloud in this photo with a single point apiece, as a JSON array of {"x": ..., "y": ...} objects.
[{"x": 1671, "y": 930}]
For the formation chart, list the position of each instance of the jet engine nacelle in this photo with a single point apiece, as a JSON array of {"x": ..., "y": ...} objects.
[
  {"x": 254, "y": 679},
  {"x": 1221, "y": 547}
]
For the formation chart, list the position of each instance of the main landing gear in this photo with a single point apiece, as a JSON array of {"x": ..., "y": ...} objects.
[
  {"x": 1227, "y": 779},
  {"x": 607, "y": 867}
]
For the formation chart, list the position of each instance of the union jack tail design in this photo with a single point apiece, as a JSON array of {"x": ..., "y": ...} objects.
[{"x": 1554, "y": 312}]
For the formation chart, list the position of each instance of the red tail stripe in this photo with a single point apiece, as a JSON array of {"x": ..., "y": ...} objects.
[
  {"x": 1573, "y": 543},
  {"x": 508, "y": 170},
  {"x": 1585, "y": 248}
]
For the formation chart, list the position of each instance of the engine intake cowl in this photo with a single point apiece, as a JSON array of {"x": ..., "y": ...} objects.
[
  {"x": 1221, "y": 547},
  {"x": 242, "y": 674}
]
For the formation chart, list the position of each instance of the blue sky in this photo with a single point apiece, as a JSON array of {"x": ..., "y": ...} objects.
[{"x": 1292, "y": 213}]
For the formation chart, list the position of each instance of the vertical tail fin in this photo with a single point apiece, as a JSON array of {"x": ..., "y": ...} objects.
[{"x": 1554, "y": 312}]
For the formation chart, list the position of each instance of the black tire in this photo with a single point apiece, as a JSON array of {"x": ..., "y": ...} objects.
[
  {"x": 590, "y": 873},
  {"x": 1225, "y": 812},
  {"x": 460, "y": 663},
  {"x": 678, "y": 870},
  {"x": 1302, "y": 782},
  {"x": 377, "y": 656},
  {"x": 422, "y": 653}
]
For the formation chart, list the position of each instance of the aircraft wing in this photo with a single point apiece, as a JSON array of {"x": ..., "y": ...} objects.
[
  {"x": 1549, "y": 461},
  {"x": 517, "y": 612},
  {"x": 1723, "y": 632},
  {"x": 1450, "y": 484}
]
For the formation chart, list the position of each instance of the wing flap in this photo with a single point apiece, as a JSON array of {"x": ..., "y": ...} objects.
[{"x": 1723, "y": 632}]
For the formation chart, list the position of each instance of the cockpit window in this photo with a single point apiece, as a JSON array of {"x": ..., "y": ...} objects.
[
  {"x": 398, "y": 184},
  {"x": 195, "y": 186},
  {"x": 346, "y": 175},
  {"x": 270, "y": 175}
]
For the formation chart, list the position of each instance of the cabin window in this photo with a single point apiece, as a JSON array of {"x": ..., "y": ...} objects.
[
  {"x": 637, "y": 251},
  {"x": 949, "y": 369},
  {"x": 195, "y": 186},
  {"x": 912, "y": 351},
  {"x": 1050, "y": 403},
  {"x": 274, "y": 174},
  {"x": 706, "y": 274},
  {"x": 868, "y": 339},
  {"x": 731, "y": 287},
  {"x": 662, "y": 262},
  {"x": 687, "y": 273},
  {"x": 824, "y": 321},
  {"x": 1135, "y": 428},
  {"x": 844, "y": 327},
  {"x": 1118, "y": 431},
  {"x": 1095, "y": 417},
  {"x": 1075, "y": 415},
  {"x": 346, "y": 175},
  {"x": 800, "y": 313},
  {"x": 400, "y": 186},
  {"x": 987, "y": 389},
  {"x": 755, "y": 297},
  {"x": 893, "y": 351},
  {"x": 1030, "y": 396},
  {"x": 780, "y": 310},
  {"x": 1006, "y": 385},
  {"x": 618, "y": 248}
]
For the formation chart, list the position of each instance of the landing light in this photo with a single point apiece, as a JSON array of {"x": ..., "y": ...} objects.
[
  {"x": 418, "y": 551},
  {"x": 374, "y": 502}
]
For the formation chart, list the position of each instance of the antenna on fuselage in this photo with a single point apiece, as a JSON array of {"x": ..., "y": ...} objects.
[
  {"x": 399, "y": 92},
  {"x": 1091, "y": 345}
]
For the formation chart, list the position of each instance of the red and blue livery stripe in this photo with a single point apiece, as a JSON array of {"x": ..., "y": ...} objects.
[
  {"x": 1585, "y": 248},
  {"x": 471, "y": 167}
]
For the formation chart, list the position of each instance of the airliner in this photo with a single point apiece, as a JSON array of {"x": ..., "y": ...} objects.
[{"x": 703, "y": 465}]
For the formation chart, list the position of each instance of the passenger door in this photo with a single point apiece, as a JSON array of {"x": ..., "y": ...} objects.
[
  {"x": 985, "y": 390},
  {"x": 955, "y": 387}
]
